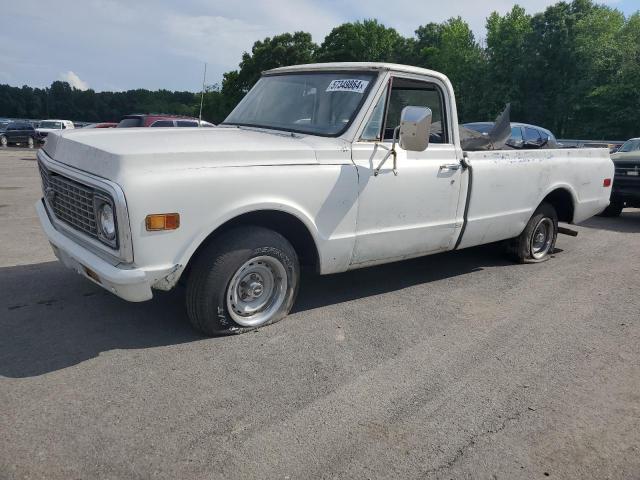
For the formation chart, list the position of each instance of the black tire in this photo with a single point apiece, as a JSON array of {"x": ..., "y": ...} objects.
[
  {"x": 613, "y": 210},
  {"x": 521, "y": 249},
  {"x": 31, "y": 142},
  {"x": 218, "y": 263},
  {"x": 3, "y": 141}
]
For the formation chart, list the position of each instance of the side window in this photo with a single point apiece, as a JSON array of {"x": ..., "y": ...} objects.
[
  {"x": 162, "y": 123},
  {"x": 187, "y": 123},
  {"x": 531, "y": 135},
  {"x": 373, "y": 130},
  {"x": 405, "y": 92},
  {"x": 516, "y": 135}
]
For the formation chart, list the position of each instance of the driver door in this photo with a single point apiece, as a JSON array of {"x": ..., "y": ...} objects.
[{"x": 411, "y": 211}]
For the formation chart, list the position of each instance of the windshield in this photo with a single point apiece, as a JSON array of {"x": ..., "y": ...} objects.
[
  {"x": 50, "y": 124},
  {"x": 630, "y": 145},
  {"x": 315, "y": 103},
  {"x": 128, "y": 122}
]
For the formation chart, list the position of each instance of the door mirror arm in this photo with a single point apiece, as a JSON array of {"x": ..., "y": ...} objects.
[
  {"x": 413, "y": 133},
  {"x": 390, "y": 151}
]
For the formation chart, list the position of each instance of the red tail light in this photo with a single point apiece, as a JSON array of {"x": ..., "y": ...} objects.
[{"x": 607, "y": 182}]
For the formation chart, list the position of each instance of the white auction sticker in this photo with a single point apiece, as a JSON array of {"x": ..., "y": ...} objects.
[{"x": 348, "y": 85}]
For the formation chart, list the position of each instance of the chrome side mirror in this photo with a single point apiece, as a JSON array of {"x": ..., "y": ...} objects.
[{"x": 415, "y": 126}]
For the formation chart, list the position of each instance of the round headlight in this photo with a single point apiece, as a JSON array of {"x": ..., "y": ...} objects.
[{"x": 107, "y": 221}]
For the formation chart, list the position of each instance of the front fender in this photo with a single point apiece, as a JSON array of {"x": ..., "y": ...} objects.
[
  {"x": 322, "y": 197},
  {"x": 281, "y": 206}
]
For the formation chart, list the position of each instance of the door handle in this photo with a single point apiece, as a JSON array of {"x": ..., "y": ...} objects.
[{"x": 450, "y": 166}]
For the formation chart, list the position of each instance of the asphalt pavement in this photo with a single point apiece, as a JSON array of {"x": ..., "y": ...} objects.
[{"x": 459, "y": 365}]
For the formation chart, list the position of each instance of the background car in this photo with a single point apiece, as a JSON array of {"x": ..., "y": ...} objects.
[
  {"x": 612, "y": 145},
  {"x": 18, "y": 133},
  {"x": 48, "y": 126},
  {"x": 523, "y": 135},
  {"x": 631, "y": 148},
  {"x": 625, "y": 192},
  {"x": 160, "y": 120}
]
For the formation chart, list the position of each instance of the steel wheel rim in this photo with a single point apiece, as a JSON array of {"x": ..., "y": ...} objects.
[
  {"x": 3, "y": 141},
  {"x": 542, "y": 238},
  {"x": 257, "y": 291}
]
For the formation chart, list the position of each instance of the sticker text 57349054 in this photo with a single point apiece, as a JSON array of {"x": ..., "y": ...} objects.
[{"x": 347, "y": 85}]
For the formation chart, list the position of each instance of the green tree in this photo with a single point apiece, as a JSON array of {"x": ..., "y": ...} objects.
[
  {"x": 216, "y": 105},
  {"x": 608, "y": 55},
  {"x": 506, "y": 59},
  {"x": 450, "y": 47},
  {"x": 552, "y": 89},
  {"x": 366, "y": 41},
  {"x": 621, "y": 96},
  {"x": 278, "y": 51}
]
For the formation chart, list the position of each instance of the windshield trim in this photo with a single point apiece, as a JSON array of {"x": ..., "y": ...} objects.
[{"x": 356, "y": 111}]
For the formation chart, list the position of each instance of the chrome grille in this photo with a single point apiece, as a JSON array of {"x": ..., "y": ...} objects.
[
  {"x": 70, "y": 201},
  {"x": 624, "y": 169}
]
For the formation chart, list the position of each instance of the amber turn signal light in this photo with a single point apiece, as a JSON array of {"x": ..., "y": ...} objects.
[{"x": 162, "y": 221}]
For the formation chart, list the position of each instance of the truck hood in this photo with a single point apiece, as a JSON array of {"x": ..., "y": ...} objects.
[
  {"x": 623, "y": 157},
  {"x": 113, "y": 153}
]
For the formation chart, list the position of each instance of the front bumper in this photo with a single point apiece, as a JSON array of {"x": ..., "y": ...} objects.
[
  {"x": 132, "y": 284},
  {"x": 626, "y": 191}
]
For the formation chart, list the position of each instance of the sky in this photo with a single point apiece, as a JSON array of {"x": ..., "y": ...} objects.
[{"x": 124, "y": 44}]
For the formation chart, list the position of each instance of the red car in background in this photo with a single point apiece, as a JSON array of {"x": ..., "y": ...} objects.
[{"x": 161, "y": 120}]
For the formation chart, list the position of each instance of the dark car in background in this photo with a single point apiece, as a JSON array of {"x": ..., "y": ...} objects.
[
  {"x": 18, "y": 133},
  {"x": 625, "y": 192},
  {"x": 160, "y": 120},
  {"x": 523, "y": 135}
]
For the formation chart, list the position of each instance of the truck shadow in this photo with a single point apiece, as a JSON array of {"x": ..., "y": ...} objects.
[
  {"x": 317, "y": 291},
  {"x": 627, "y": 222},
  {"x": 51, "y": 318}
]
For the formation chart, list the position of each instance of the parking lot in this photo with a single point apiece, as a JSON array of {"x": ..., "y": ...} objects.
[{"x": 459, "y": 365}]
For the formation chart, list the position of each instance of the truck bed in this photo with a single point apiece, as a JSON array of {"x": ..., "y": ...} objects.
[{"x": 507, "y": 185}]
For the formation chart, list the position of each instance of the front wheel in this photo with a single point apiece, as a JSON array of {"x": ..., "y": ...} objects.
[
  {"x": 3, "y": 141},
  {"x": 537, "y": 242},
  {"x": 30, "y": 142},
  {"x": 244, "y": 279}
]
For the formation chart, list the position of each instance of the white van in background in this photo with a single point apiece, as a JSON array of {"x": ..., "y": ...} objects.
[{"x": 48, "y": 126}]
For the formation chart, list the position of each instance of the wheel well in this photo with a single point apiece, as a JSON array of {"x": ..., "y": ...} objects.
[
  {"x": 284, "y": 223},
  {"x": 562, "y": 201}
]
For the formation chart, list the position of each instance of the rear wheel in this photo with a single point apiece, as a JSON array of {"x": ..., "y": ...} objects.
[
  {"x": 3, "y": 141},
  {"x": 537, "y": 242},
  {"x": 244, "y": 279},
  {"x": 30, "y": 142}
]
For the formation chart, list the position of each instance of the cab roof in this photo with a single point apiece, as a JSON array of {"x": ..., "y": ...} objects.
[{"x": 351, "y": 66}]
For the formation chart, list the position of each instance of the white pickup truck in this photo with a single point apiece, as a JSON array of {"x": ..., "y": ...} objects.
[{"x": 335, "y": 166}]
